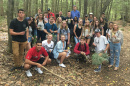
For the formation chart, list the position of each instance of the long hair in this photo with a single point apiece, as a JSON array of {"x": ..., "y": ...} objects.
[
  {"x": 97, "y": 25},
  {"x": 87, "y": 25},
  {"x": 66, "y": 27},
  {"x": 101, "y": 22},
  {"x": 57, "y": 21}
]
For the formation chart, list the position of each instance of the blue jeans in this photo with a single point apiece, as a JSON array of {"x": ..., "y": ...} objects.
[
  {"x": 115, "y": 49},
  {"x": 76, "y": 40},
  {"x": 35, "y": 32}
]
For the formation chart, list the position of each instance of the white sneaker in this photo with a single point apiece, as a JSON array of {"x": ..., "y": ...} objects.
[
  {"x": 28, "y": 73},
  {"x": 58, "y": 61},
  {"x": 62, "y": 65},
  {"x": 38, "y": 70}
]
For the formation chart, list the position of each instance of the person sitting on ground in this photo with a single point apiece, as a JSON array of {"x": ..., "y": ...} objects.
[
  {"x": 59, "y": 51},
  {"x": 36, "y": 56},
  {"x": 82, "y": 49},
  {"x": 48, "y": 45},
  {"x": 101, "y": 45}
]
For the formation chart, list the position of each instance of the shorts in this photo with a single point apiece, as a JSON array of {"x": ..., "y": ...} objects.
[
  {"x": 41, "y": 60},
  {"x": 88, "y": 37},
  {"x": 29, "y": 39}
]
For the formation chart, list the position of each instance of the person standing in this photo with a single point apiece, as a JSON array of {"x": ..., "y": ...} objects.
[
  {"x": 36, "y": 15},
  {"x": 115, "y": 37},
  {"x": 75, "y": 12},
  {"x": 19, "y": 38},
  {"x": 50, "y": 14}
]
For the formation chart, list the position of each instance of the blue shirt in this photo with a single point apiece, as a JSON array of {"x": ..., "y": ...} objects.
[
  {"x": 75, "y": 13},
  {"x": 48, "y": 26}
]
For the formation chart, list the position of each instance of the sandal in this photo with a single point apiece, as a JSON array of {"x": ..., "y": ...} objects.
[
  {"x": 116, "y": 68},
  {"x": 110, "y": 66}
]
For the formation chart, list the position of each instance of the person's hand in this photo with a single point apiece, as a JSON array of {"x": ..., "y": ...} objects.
[
  {"x": 32, "y": 38},
  {"x": 44, "y": 63},
  {"x": 105, "y": 51},
  {"x": 68, "y": 42},
  {"x": 72, "y": 19},
  {"x": 22, "y": 33},
  {"x": 51, "y": 31},
  {"x": 80, "y": 37},
  {"x": 81, "y": 52},
  {"x": 66, "y": 19},
  {"x": 76, "y": 37},
  {"x": 50, "y": 51},
  {"x": 36, "y": 37},
  {"x": 87, "y": 35},
  {"x": 39, "y": 65},
  {"x": 66, "y": 50},
  {"x": 114, "y": 36}
]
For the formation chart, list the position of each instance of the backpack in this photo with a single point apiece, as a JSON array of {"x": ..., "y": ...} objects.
[
  {"x": 38, "y": 21},
  {"x": 80, "y": 45}
]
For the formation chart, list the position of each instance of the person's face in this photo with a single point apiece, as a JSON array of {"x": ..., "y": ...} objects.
[
  {"x": 29, "y": 22},
  {"x": 31, "y": 19},
  {"x": 64, "y": 24},
  {"x": 38, "y": 46},
  {"x": 91, "y": 15},
  {"x": 87, "y": 23},
  {"x": 115, "y": 27},
  {"x": 103, "y": 15},
  {"x": 40, "y": 16},
  {"x": 60, "y": 20},
  {"x": 80, "y": 22},
  {"x": 82, "y": 41},
  {"x": 75, "y": 18},
  {"x": 110, "y": 25},
  {"x": 74, "y": 8},
  {"x": 62, "y": 38},
  {"x": 101, "y": 19},
  {"x": 45, "y": 14},
  {"x": 98, "y": 34},
  {"x": 69, "y": 13},
  {"x": 39, "y": 11},
  {"x": 21, "y": 14},
  {"x": 51, "y": 20},
  {"x": 95, "y": 18},
  {"x": 49, "y": 12},
  {"x": 60, "y": 13},
  {"x": 97, "y": 23},
  {"x": 86, "y": 18},
  {"x": 49, "y": 37}
]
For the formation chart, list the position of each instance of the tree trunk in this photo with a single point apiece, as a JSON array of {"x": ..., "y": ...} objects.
[
  {"x": 26, "y": 8},
  {"x": 42, "y": 5},
  {"x": 79, "y": 5},
  {"x": 46, "y": 5},
  {"x": 106, "y": 4},
  {"x": 85, "y": 7},
  {"x": 66, "y": 7},
  {"x": 29, "y": 8},
  {"x": 10, "y": 10},
  {"x": 1, "y": 7},
  {"x": 72, "y": 4}
]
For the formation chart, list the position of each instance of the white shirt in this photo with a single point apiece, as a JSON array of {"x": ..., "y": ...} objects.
[
  {"x": 41, "y": 25},
  {"x": 100, "y": 43},
  {"x": 48, "y": 46}
]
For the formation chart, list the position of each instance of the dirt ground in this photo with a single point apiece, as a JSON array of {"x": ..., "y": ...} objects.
[{"x": 77, "y": 72}]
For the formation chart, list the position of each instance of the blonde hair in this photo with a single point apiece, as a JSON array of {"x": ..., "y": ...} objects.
[
  {"x": 81, "y": 20},
  {"x": 66, "y": 27},
  {"x": 57, "y": 21},
  {"x": 87, "y": 25},
  {"x": 49, "y": 34}
]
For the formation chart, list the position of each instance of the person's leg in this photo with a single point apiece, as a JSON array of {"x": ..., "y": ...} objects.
[
  {"x": 76, "y": 40},
  {"x": 117, "y": 54},
  {"x": 38, "y": 35},
  {"x": 43, "y": 36},
  {"x": 62, "y": 57},
  {"x": 50, "y": 55},
  {"x": 88, "y": 41},
  {"x": 112, "y": 54},
  {"x": 15, "y": 48},
  {"x": 22, "y": 46},
  {"x": 27, "y": 67}
]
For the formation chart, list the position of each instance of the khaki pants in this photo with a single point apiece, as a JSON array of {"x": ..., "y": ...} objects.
[{"x": 18, "y": 52}]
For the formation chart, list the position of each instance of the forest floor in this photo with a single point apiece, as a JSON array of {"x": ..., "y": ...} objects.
[{"x": 82, "y": 73}]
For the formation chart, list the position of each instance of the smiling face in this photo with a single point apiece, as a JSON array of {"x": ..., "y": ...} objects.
[
  {"x": 49, "y": 37},
  {"x": 40, "y": 16},
  {"x": 80, "y": 21},
  {"x": 115, "y": 27},
  {"x": 63, "y": 24},
  {"x": 82, "y": 41},
  {"x": 60, "y": 19},
  {"x": 87, "y": 23},
  {"x": 62, "y": 38},
  {"x": 96, "y": 23},
  {"x": 38, "y": 46}
]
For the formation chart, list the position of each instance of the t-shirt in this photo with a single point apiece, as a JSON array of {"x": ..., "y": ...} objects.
[
  {"x": 34, "y": 56},
  {"x": 19, "y": 26},
  {"x": 48, "y": 46},
  {"x": 75, "y": 13},
  {"x": 100, "y": 43},
  {"x": 48, "y": 26},
  {"x": 70, "y": 22},
  {"x": 65, "y": 32},
  {"x": 40, "y": 25}
]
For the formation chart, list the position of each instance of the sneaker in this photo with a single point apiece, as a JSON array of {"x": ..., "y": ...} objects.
[
  {"x": 62, "y": 65},
  {"x": 13, "y": 68},
  {"x": 38, "y": 70},
  {"x": 28, "y": 73},
  {"x": 97, "y": 70},
  {"x": 58, "y": 61}
]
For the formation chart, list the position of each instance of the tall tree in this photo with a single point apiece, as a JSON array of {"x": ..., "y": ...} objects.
[
  {"x": 42, "y": 5},
  {"x": 72, "y": 3},
  {"x": 10, "y": 10},
  {"x": 1, "y": 7},
  {"x": 79, "y": 5},
  {"x": 85, "y": 7},
  {"x": 46, "y": 5}
]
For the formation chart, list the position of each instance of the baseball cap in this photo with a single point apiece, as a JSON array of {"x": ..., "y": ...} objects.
[
  {"x": 48, "y": 9},
  {"x": 97, "y": 30},
  {"x": 86, "y": 15},
  {"x": 90, "y": 13}
]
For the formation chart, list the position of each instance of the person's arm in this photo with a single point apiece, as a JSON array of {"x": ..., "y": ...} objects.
[
  {"x": 94, "y": 43},
  {"x": 81, "y": 32},
  {"x": 27, "y": 61},
  {"x": 75, "y": 32},
  {"x": 16, "y": 33},
  {"x": 118, "y": 38},
  {"x": 106, "y": 48},
  {"x": 27, "y": 33},
  {"x": 59, "y": 47},
  {"x": 56, "y": 30},
  {"x": 87, "y": 50},
  {"x": 76, "y": 49},
  {"x": 102, "y": 31},
  {"x": 68, "y": 36}
]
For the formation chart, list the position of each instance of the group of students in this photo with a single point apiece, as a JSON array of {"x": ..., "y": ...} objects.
[{"x": 54, "y": 36}]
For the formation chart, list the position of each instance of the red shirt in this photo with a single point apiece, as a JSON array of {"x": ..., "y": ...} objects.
[
  {"x": 51, "y": 14},
  {"x": 78, "y": 49},
  {"x": 33, "y": 55}
]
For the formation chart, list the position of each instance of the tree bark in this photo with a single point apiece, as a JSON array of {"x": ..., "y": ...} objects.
[
  {"x": 42, "y": 5},
  {"x": 79, "y": 5},
  {"x": 1, "y": 7},
  {"x": 85, "y": 7},
  {"x": 106, "y": 4},
  {"x": 10, "y": 10}
]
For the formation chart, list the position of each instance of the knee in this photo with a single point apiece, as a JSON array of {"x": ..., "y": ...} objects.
[
  {"x": 49, "y": 60},
  {"x": 27, "y": 66},
  {"x": 64, "y": 53}
]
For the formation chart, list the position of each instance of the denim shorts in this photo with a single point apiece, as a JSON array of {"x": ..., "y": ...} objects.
[{"x": 29, "y": 39}]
